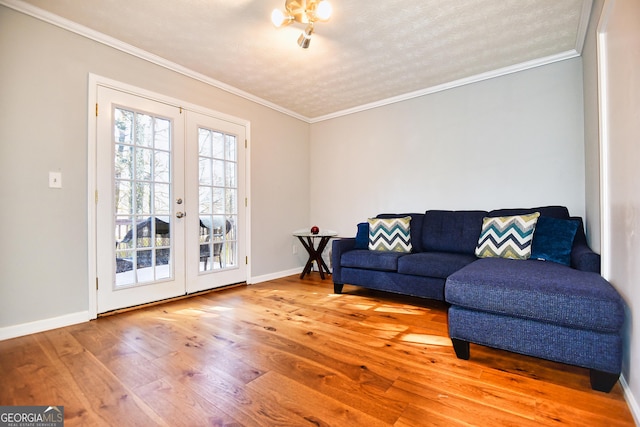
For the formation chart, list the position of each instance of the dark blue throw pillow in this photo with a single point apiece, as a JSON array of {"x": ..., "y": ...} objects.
[
  {"x": 362, "y": 237},
  {"x": 553, "y": 239}
]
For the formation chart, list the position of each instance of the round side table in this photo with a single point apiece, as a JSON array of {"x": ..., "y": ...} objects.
[{"x": 309, "y": 241}]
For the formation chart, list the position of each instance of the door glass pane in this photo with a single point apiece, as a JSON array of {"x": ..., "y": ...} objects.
[
  {"x": 161, "y": 165},
  {"x": 142, "y": 196},
  {"x": 218, "y": 200},
  {"x": 123, "y": 198},
  {"x": 205, "y": 171},
  {"x": 231, "y": 147},
  {"x": 143, "y": 130},
  {"x": 162, "y": 137},
  {"x": 217, "y": 139},
  {"x": 123, "y": 161},
  {"x": 218, "y": 173},
  {"x": 142, "y": 183},
  {"x": 161, "y": 199},
  {"x": 143, "y": 163},
  {"x": 123, "y": 121}
]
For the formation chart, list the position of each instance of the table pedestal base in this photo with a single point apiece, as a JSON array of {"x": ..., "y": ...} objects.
[{"x": 315, "y": 254}]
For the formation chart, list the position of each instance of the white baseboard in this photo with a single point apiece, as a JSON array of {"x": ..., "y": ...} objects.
[
  {"x": 631, "y": 400},
  {"x": 15, "y": 331},
  {"x": 20, "y": 330},
  {"x": 274, "y": 276}
]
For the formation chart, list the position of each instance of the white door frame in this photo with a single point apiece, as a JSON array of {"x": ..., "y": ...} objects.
[
  {"x": 603, "y": 98},
  {"x": 92, "y": 179}
]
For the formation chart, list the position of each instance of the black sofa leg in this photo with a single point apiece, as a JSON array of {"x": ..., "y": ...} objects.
[
  {"x": 461, "y": 348},
  {"x": 602, "y": 381},
  {"x": 337, "y": 288}
]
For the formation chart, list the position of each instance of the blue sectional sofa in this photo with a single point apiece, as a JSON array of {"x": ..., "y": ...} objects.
[{"x": 559, "y": 308}]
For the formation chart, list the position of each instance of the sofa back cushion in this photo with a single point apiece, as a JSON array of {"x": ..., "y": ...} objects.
[
  {"x": 559, "y": 212},
  {"x": 452, "y": 231},
  {"x": 415, "y": 228}
]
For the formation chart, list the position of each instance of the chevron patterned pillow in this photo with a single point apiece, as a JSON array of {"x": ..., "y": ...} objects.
[
  {"x": 392, "y": 234},
  {"x": 507, "y": 236}
]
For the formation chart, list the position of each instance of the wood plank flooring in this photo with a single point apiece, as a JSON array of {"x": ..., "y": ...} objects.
[{"x": 291, "y": 353}]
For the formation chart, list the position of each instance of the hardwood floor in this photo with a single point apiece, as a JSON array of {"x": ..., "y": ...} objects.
[{"x": 291, "y": 353}]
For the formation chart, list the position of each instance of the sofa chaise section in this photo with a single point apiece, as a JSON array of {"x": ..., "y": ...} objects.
[{"x": 540, "y": 309}]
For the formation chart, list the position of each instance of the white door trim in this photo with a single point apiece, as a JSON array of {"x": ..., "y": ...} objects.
[
  {"x": 603, "y": 101},
  {"x": 94, "y": 81}
]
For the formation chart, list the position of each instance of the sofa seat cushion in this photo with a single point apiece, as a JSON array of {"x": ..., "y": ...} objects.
[
  {"x": 372, "y": 260},
  {"x": 540, "y": 290},
  {"x": 433, "y": 264}
]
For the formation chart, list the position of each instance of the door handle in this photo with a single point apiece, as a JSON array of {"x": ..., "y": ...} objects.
[{"x": 181, "y": 214}]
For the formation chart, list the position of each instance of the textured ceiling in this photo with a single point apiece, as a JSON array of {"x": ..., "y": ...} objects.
[{"x": 368, "y": 52}]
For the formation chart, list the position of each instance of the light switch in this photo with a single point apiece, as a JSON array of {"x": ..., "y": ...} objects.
[{"x": 55, "y": 179}]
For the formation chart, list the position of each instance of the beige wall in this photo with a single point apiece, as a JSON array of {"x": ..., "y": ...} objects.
[
  {"x": 43, "y": 111},
  {"x": 513, "y": 141}
]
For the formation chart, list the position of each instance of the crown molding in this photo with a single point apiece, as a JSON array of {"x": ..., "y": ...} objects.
[
  {"x": 583, "y": 25},
  {"x": 112, "y": 42},
  {"x": 453, "y": 84},
  {"x": 71, "y": 26}
]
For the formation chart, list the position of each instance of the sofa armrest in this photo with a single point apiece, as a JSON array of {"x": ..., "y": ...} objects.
[
  {"x": 339, "y": 247},
  {"x": 582, "y": 257}
]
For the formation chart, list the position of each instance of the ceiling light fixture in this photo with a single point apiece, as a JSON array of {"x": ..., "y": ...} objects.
[{"x": 304, "y": 12}]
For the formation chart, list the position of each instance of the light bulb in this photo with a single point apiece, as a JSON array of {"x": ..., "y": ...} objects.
[
  {"x": 304, "y": 41},
  {"x": 305, "y": 38},
  {"x": 323, "y": 10},
  {"x": 277, "y": 17}
]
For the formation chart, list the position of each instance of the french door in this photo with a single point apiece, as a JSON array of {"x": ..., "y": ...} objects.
[
  {"x": 170, "y": 201},
  {"x": 215, "y": 201}
]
